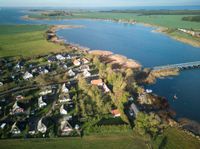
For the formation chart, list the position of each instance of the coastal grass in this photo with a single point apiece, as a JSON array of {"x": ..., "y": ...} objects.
[
  {"x": 25, "y": 40},
  {"x": 174, "y": 138},
  {"x": 87, "y": 142}
]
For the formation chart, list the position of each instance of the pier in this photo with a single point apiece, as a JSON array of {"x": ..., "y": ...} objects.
[{"x": 180, "y": 66}]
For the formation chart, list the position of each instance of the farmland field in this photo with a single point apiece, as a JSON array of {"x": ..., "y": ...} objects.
[{"x": 25, "y": 40}]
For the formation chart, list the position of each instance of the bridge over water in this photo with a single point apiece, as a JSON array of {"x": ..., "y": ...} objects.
[{"x": 181, "y": 66}]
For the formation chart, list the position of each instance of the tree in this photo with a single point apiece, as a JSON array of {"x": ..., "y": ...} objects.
[{"x": 148, "y": 124}]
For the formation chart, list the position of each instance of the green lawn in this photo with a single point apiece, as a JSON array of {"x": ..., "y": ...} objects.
[
  {"x": 172, "y": 138},
  {"x": 176, "y": 139},
  {"x": 87, "y": 142},
  {"x": 25, "y": 40}
]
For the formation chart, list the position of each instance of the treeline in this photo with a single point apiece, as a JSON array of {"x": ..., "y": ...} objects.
[
  {"x": 121, "y": 84},
  {"x": 192, "y": 18},
  {"x": 57, "y": 13},
  {"x": 93, "y": 103},
  {"x": 158, "y": 12},
  {"x": 108, "y": 129}
]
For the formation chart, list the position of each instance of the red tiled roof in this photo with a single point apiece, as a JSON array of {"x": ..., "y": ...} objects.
[
  {"x": 97, "y": 82},
  {"x": 115, "y": 112}
]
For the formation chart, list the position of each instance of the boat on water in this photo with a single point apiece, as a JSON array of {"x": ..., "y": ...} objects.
[
  {"x": 175, "y": 97},
  {"x": 149, "y": 91}
]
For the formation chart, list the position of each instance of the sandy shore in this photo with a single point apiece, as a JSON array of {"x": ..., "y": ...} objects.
[{"x": 117, "y": 59}]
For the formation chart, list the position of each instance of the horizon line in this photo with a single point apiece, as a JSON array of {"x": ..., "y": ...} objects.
[{"x": 101, "y": 6}]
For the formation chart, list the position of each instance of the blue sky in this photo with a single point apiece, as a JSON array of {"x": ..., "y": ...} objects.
[{"x": 97, "y": 3}]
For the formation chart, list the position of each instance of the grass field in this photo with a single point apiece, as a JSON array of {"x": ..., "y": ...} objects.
[
  {"x": 87, "y": 142},
  {"x": 176, "y": 139},
  {"x": 172, "y": 138},
  {"x": 25, "y": 40}
]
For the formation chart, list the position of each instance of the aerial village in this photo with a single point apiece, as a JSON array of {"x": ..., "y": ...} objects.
[
  {"x": 72, "y": 93},
  {"x": 47, "y": 97}
]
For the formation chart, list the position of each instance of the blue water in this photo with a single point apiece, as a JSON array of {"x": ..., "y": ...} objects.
[
  {"x": 134, "y": 41},
  {"x": 150, "y": 49},
  {"x": 139, "y": 43}
]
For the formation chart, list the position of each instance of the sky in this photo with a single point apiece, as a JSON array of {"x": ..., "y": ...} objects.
[{"x": 95, "y": 3}]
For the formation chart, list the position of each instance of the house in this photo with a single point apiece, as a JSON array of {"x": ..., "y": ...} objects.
[
  {"x": 86, "y": 73},
  {"x": 32, "y": 124},
  {"x": 51, "y": 59},
  {"x": 41, "y": 103},
  {"x": 193, "y": 33},
  {"x": 32, "y": 132},
  {"x": 18, "y": 66},
  {"x": 34, "y": 70},
  {"x": 16, "y": 109},
  {"x": 77, "y": 127},
  {"x": 115, "y": 113},
  {"x": 19, "y": 97},
  {"x": 45, "y": 92},
  {"x": 71, "y": 73},
  {"x": 44, "y": 71},
  {"x": 98, "y": 82},
  {"x": 41, "y": 126},
  {"x": 1, "y": 84},
  {"x": 64, "y": 88},
  {"x": 14, "y": 129},
  {"x": 133, "y": 109},
  {"x": 62, "y": 110},
  {"x": 3, "y": 125},
  {"x": 85, "y": 61},
  {"x": 60, "y": 57},
  {"x": 77, "y": 62},
  {"x": 131, "y": 99},
  {"x": 149, "y": 91},
  {"x": 27, "y": 76},
  {"x": 65, "y": 66},
  {"x": 105, "y": 87},
  {"x": 84, "y": 67},
  {"x": 65, "y": 128},
  {"x": 68, "y": 57},
  {"x": 64, "y": 99}
]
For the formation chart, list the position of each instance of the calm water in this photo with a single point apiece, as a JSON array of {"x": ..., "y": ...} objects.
[
  {"x": 150, "y": 49},
  {"x": 140, "y": 43}
]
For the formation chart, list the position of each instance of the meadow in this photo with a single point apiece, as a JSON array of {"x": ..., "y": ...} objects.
[
  {"x": 25, "y": 40},
  {"x": 172, "y": 138}
]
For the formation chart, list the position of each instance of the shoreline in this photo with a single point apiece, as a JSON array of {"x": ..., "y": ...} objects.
[
  {"x": 163, "y": 30},
  {"x": 115, "y": 58},
  {"x": 159, "y": 29}
]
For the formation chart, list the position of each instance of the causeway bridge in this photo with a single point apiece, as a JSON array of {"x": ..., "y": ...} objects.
[{"x": 181, "y": 66}]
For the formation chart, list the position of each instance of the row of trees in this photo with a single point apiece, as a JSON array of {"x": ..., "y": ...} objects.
[
  {"x": 149, "y": 124},
  {"x": 93, "y": 103},
  {"x": 123, "y": 84}
]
